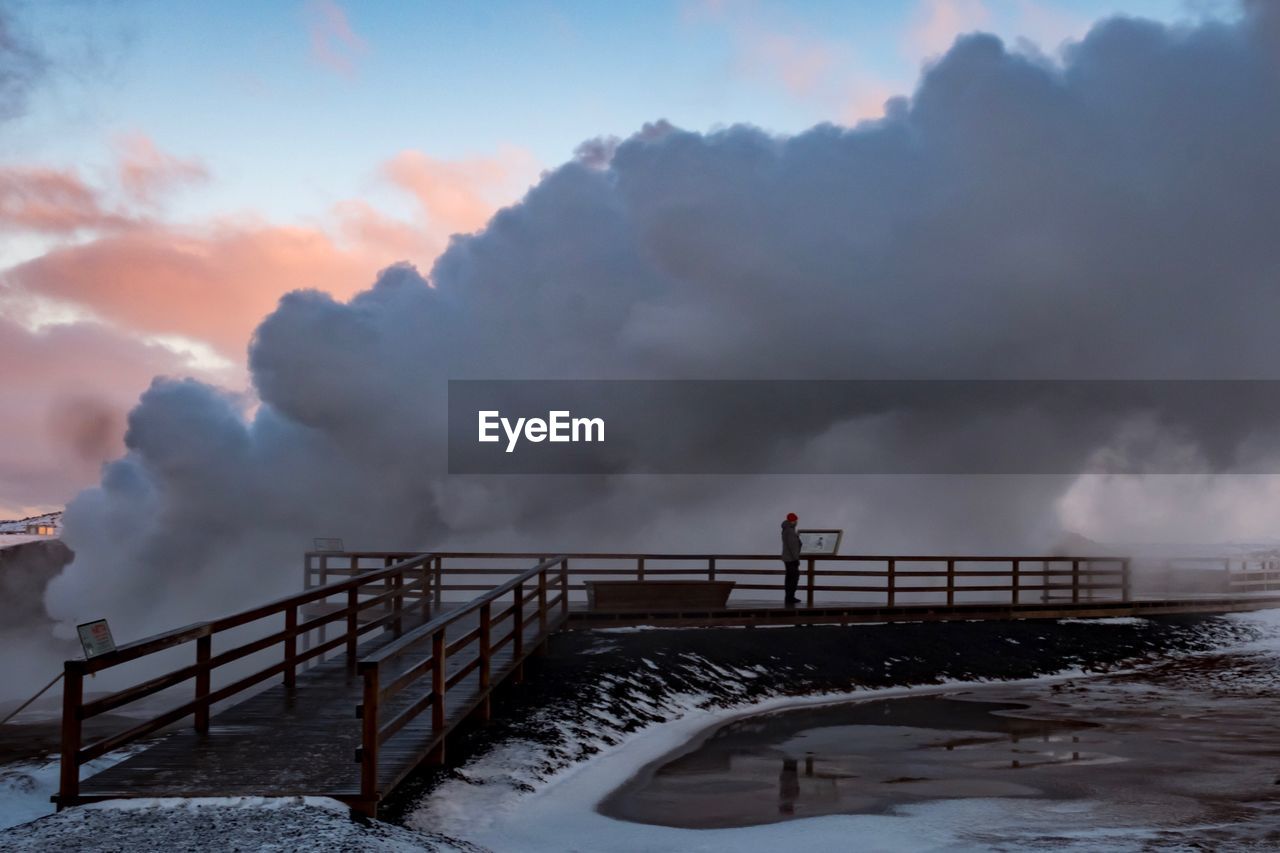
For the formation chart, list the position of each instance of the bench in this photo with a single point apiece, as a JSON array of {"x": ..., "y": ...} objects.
[{"x": 657, "y": 596}]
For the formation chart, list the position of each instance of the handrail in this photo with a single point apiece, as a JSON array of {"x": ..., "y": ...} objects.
[
  {"x": 677, "y": 555},
  {"x": 168, "y": 639},
  {"x": 406, "y": 579},
  {"x": 529, "y": 587},
  {"x": 425, "y": 630}
]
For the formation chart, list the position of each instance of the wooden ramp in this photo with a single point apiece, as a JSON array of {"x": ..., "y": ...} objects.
[{"x": 422, "y": 640}]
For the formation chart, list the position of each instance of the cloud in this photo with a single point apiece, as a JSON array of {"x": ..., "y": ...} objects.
[
  {"x": 804, "y": 64},
  {"x": 67, "y": 389},
  {"x": 209, "y": 284},
  {"x": 334, "y": 44},
  {"x": 936, "y": 23},
  {"x": 51, "y": 201},
  {"x": 213, "y": 282},
  {"x": 459, "y": 196},
  {"x": 146, "y": 172}
]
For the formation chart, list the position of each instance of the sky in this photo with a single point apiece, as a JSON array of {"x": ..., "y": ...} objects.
[{"x": 169, "y": 170}]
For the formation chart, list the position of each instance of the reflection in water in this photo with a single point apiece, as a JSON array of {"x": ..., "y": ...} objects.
[
  {"x": 788, "y": 787},
  {"x": 864, "y": 757}
]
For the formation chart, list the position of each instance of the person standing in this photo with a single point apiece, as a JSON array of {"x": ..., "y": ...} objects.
[{"x": 791, "y": 557}]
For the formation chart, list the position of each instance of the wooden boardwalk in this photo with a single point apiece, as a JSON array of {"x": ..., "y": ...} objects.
[
  {"x": 349, "y": 727},
  {"x": 422, "y": 640},
  {"x": 303, "y": 741}
]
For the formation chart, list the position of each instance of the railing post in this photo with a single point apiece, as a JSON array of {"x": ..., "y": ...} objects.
[
  {"x": 439, "y": 580},
  {"x": 369, "y": 740},
  {"x": 486, "y": 652},
  {"x": 291, "y": 648},
  {"x": 353, "y": 600},
  {"x": 812, "y": 574},
  {"x": 951, "y": 582},
  {"x": 639, "y": 568},
  {"x": 72, "y": 699},
  {"x": 564, "y": 588},
  {"x": 425, "y": 591},
  {"x": 711, "y": 568},
  {"x": 517, "y": 632},
  {"x": 891, "y": 582},
  {"x": 397, "y": 602},
  {"x": 1044, "y": 582},
  {"x": 542, "y": 606},
  {"x": 204, "y": 651},
  {"x": 1017, "y": 581},
  {"x": 1126, "y": 581},
  {"x": 1075, "y": 581},
  {"x": 438, "y": 691}
]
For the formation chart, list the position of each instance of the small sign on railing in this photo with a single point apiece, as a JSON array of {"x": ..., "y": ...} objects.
[
  {"x": 95, "y": 638},
  {"x": 819, "y": 542},
  {"x": 332, "y": 545}
]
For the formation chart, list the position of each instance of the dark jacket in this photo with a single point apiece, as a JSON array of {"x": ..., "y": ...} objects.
[{"x": 790, "y": 542}]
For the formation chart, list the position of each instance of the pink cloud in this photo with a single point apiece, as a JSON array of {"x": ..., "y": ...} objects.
[
  {"x": 459, "y": 195},
  {"x": 50, "y": 201},
  {"x": 811, "y": 66},
  {"x": 141, "y": 289},
  {"x": 361, "y": 224},
  {"x": 936, "y": 23},
  {"x": 146, "y": 171},
  {"x": 334, "y": 44},
  {"x": 66, "y": 394},
  {"x": 801, "y": 64},
  {"x": 213, "y": 285},
  {"x": 866, "y": 100}
]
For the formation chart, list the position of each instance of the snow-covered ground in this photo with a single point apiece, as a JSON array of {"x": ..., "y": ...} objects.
[
  {"x": 26, "y": 787},
  {"x": 276, "y": 825},
  {"x": 9, "y": 540}
]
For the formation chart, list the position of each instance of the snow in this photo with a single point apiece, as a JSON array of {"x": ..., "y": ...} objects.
[
  {"x": 1109, "y": 620},
  {"x": 27, "y": 786},
  {"x": 9, "y": 540},
  {"x": 269, "y": 825}
]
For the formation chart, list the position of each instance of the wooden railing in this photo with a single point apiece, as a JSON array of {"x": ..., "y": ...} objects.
[
  {"x": 539, "y": 595},
  {"x": 1252, "y": 575},
  {"x": 860, "y": 579},
  {"x": 379, "y": 598},
  {"x": 1231, "y": 575}
]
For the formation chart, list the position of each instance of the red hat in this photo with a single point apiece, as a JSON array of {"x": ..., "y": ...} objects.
[{"x": 791, "y": 516}]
